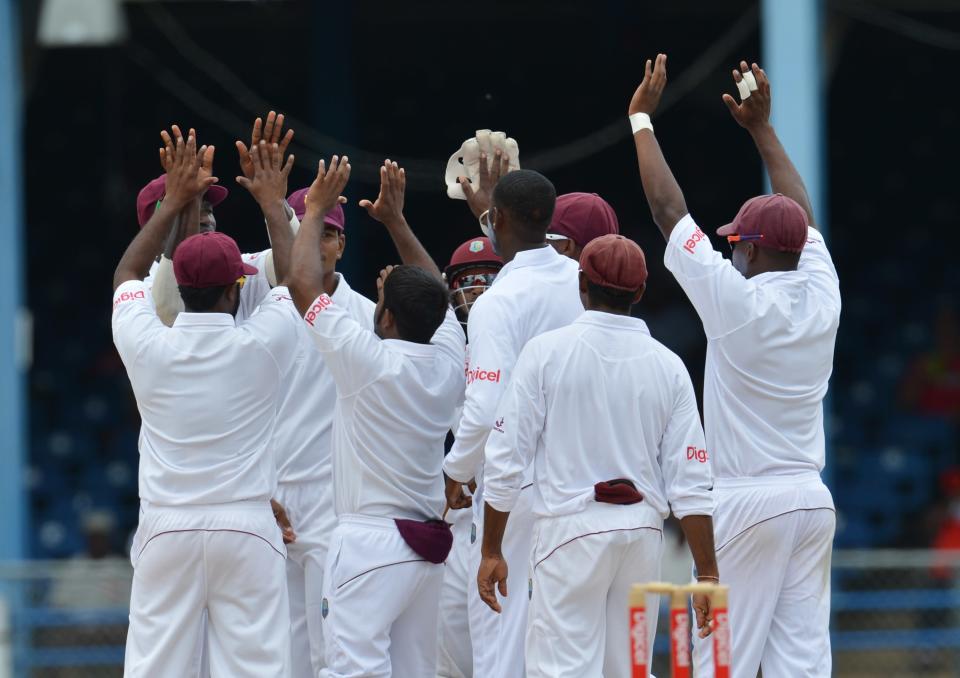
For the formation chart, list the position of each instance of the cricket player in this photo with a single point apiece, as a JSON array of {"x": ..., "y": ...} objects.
[
  {"x": 164, "y": 285},
  {"x": 578, "y": 219},
  {"x": 303, "y": 441},
  {"x": 472, "y": 269},
  {"x": 206, "y": 390},
  {"x": 608, "y": 418},
  {"x": 770, "y": 314},
  {"x": 536, "y": 291},
  {"x": 397, "y": 388}
]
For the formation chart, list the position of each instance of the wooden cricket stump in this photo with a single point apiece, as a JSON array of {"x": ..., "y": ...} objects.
[{"x": 680, "y": 652}]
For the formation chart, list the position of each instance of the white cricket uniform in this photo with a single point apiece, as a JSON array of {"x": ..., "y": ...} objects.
[
  {"x": 207, "y": 392},
  {"x": 395, "y": 401},
  {"x": 302, "y": 441},
  {"x": 595, "y": 401},
  {"x": 536, "y": 292},
  {"x": 770, "y": 342}
]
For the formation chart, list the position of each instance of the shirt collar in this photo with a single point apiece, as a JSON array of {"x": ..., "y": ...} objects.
[
  {"x": 204, "y": 320},
  {"x": 409, "y": 347},
  {"x": 342, "y": 290},
  {"x": 541, "y": 256},
  {"x": 613, "y": 320}
]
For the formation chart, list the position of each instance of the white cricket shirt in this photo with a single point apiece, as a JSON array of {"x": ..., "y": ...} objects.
[
  {"x": 536, "y": 292},
  {"x": 598, "y": 400},
  {"x": 395, "y": 401},
  {"x": 207, "y": 390},
  {"x": 769, "y": 354},
  {"x": 303, "y": 435}
]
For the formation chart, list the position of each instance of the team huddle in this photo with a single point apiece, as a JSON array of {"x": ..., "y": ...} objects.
[{"x": 302, "y": 511}]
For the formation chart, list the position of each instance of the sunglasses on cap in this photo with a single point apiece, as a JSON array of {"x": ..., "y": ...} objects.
[
  {"x": 736, "y": 237},
  {"x": 485, "y": 226},
  {"x": 474, "y": 280},
  {"x": 241, "y": 281}
]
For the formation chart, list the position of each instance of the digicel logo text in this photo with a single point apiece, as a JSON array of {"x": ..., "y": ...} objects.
[
  {"x": 321, "y": 303},
  {"x": 128, "y": 296},
  {"x": 694, "y": 240},
  {"x": 694, "y": 452},
  {"x": 482, "y": 375}
]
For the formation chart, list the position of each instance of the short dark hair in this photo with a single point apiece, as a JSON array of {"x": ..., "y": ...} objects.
[
  {"x": 418, "y": 301},
  {"x": 529, "y": 197},
  {"x": 201, "y": 299},
  {"x": 619, "y": 300}
]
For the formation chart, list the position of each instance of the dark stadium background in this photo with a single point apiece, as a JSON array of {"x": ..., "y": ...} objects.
[{"x": 411, "y": 81}]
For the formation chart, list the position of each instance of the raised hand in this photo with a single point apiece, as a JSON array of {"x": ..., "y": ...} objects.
[
  {"x": 754, "y": 110},
  {"x": 269, "y": 182},
  {"x": 324, "y": 193},
  {"x": 189, "y": 172},
  {"x": 271, "y": 133},
  {"x": 480, "y": 196},
  {"x": 388, "y": 207},
  {"x": 647, "y": 97}
]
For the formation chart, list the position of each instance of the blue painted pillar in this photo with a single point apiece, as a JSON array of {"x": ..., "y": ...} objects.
[
  {"x": 793, "y": 58},
  {"x": 13, "y": 350},
  {"x": 792, "y": 39}
]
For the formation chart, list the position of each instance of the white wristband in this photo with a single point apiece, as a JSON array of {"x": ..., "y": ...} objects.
[{"x": 639, "y": 121}]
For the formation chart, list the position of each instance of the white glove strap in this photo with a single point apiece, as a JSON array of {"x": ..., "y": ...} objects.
[{"x": 639, "y": 121}]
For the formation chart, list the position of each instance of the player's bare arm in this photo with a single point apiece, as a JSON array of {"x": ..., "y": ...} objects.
[
  {"x": 189, "y": 175},
  {"x": 268, "y": 186},
  {"x": 305, "y": 278},
  {"x": 479, "y": 196},
  {"x": 664, "y": 196},
  {"x": 698, "y": 531},
  {"x": 492, "y": 575},
  {"x": 388, "y": 210},
  {"x": 753, "y": 114}
]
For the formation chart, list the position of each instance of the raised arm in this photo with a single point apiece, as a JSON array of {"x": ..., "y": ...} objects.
[
  {"x": 305, "y": 278},
  {"x": 388, "y": 210},
  {"x": 189, "y": 175},
  {"x": 268, "y": 186},
  {"x": 753, "y": 114},
  {"x": 663, "y": 192}
]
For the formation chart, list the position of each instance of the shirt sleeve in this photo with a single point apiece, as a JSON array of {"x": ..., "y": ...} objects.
[
  {"x": 354, "y": 355},
  {"x": 492, "y": 356},
  {"x": 684, "y": 458},
  {"x": 135, "y": 323},
  {"x": 449, "y": 338},
  {"x": 517, "y": 428},
  {"x": 816, "y": 262},
  {"x": 722, "y": 297},
  {"x": 166, "y": 294},
  {"x": 257, "y": 286},
  {"x": 274, "y": 323}
]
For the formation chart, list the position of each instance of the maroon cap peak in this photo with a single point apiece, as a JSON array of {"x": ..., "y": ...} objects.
[
  {"x": 581, "y": 217},
  {"x": 209, "y": 259},
  {"x": 779, "y": 219},
  {"x": 298, "y": 202},
  {"x": 614, "y": 261},
  {"x": 155, "y": 190}
]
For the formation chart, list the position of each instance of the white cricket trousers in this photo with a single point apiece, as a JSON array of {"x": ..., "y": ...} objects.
[
  {"x": 454, "y": 649},
  {"x": 380, "y": 603},
  {"x": 310, "y": 510},
  {"x": 578, "y": 625},
  {"x": 778, "y": 572},
  {"x": 498, "y": 639},
  {"x": 183, "y": 565}
]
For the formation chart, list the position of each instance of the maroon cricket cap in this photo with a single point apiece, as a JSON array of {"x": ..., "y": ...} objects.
[
  {"x": 298, "y": 202},
  {"x": 473, "y": 253},
  {"x": 614, "y": 261},
  {"x": 209, "y": 259},
  {"x": 149, "y": 195},
  {"x": 581, "y": 217},
  {"x": 780, "y": 220}
]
